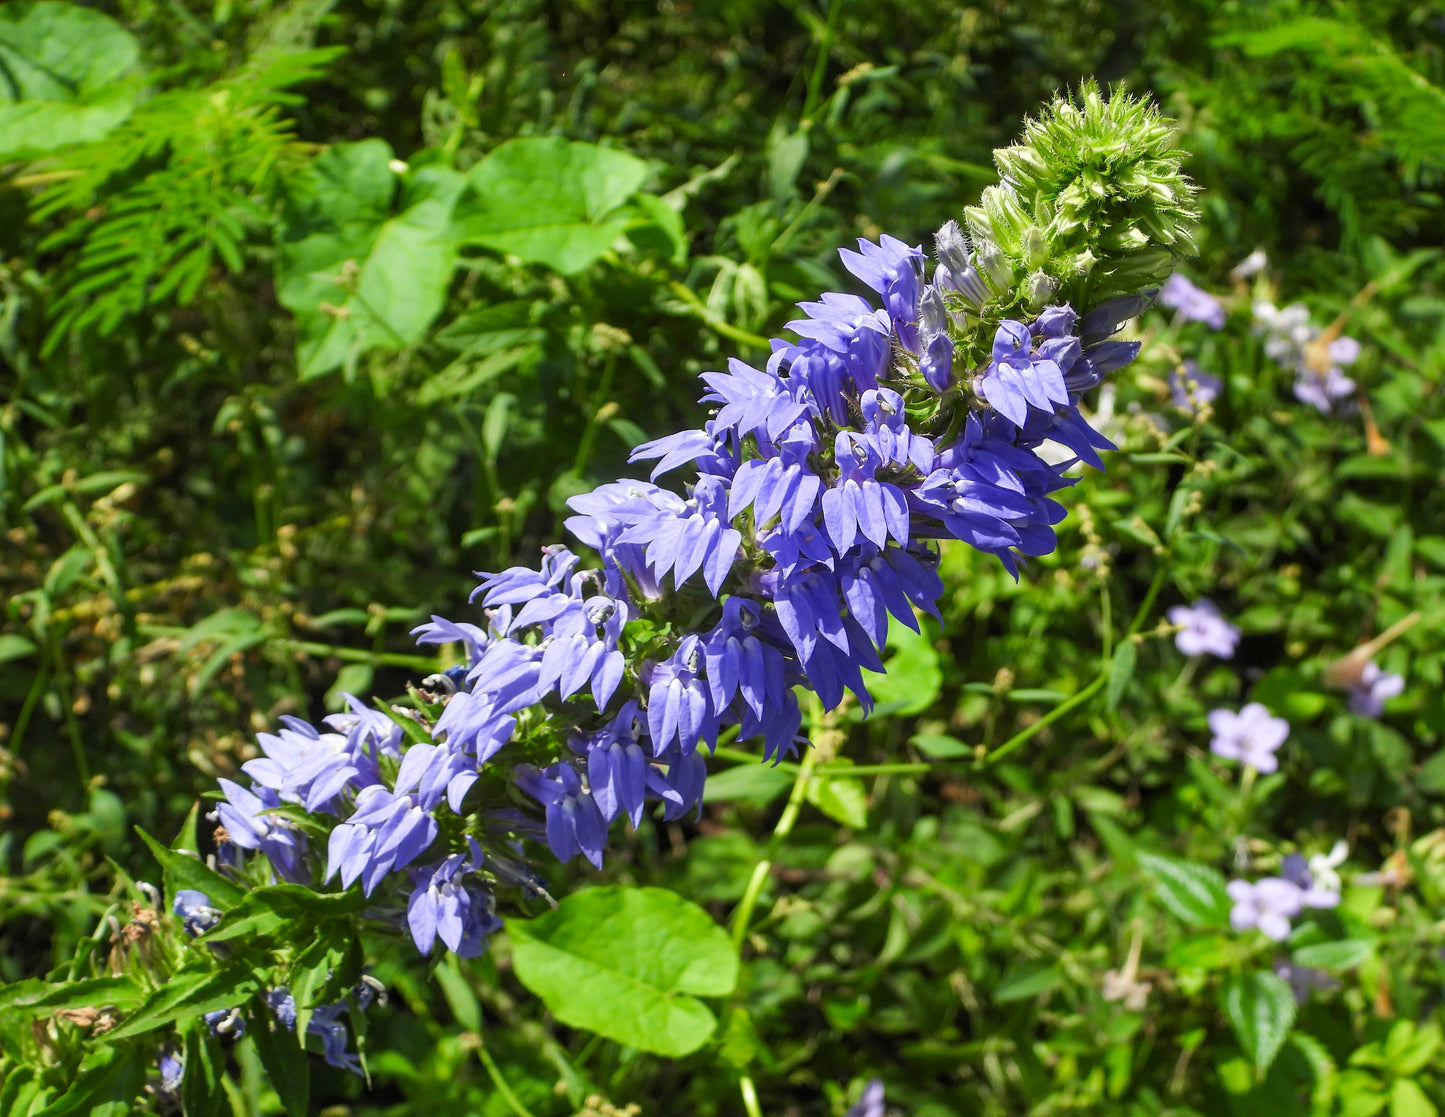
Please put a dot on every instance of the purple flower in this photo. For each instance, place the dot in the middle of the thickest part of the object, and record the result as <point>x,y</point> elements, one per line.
<point>445,904</point>
<point>1370,691</point>
<point>574,823</point>
<point>1204,630</point>
<point>1016,380</point>
<point>386,831</point>
<point>1190,388</point>
<point>1192,304</point>
<point>1251,736</point>
<point>1303,980</point>
<point>323,1024</point>
<point>871,1103</point>
<point>226,1022</point>
<point>1323,390</point>
<point>173,1072</point>
<point>1268,904</point>
<point>194,908</point>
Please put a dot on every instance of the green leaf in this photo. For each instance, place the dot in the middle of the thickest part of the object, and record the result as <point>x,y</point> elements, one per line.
<point>108,1074</point>
<point>201,1091</point>
<point>1335,955</point>
<point>1260,1008</point>
<point>283,1058</point>
<point>1195,893</point>
<point>548,201</point>
<point>14,647</point>
<point>843,800</point>
<point>1121,670</point>
<point>263,911</point>
<point>1408,1100</point>
<point>754,783</point>
<point>628,964</point>
<point>366,256</point>
<point>914,677</point>
<point>65,77</point>
<point>191,992</point>
<point>185,870</point>
<point>41,998</point>
<point>938,746</point>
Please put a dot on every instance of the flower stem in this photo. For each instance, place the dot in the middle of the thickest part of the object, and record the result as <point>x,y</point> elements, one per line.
<point>494,1072</point>
<point>750,1097</point>
<point>742,917</point>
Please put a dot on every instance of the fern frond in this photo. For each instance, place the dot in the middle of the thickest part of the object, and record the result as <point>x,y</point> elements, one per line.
<point>174,191</point>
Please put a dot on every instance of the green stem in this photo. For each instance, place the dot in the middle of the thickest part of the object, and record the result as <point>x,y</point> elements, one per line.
<point>495,1074</point>
<point>744,913</point>
<point>712,321</point>
<point>750,1097</point>
<point>1089,691</point>
<point>820,64</point>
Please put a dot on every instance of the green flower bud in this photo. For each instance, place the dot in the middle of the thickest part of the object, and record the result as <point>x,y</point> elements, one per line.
<point>1100,183</point>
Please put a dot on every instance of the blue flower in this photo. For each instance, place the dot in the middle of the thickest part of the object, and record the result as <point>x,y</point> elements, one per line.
<point>194,908</point>
<point>449,902</point>
<point>574,822</point>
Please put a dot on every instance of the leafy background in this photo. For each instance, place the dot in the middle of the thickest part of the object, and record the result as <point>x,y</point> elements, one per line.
<point>308,310</point>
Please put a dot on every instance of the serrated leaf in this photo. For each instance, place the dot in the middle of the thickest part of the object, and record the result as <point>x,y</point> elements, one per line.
<point>283,1058</point>
<point>1195,893</point>
<point>40,998</point>
<point>1260,1008</point>
<point>548,201</point>
<point>183,870</point>
<point>628,964</point>
<point>190,993</point>
<point>108,1074</point>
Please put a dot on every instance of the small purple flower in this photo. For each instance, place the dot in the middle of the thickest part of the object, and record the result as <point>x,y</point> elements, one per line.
<point>1322,390</point>
<point>1192,304</point>
<point>1370,691</point>
<point>1251,736</point>
<point>871,1103</point>
<point>1204,630</point>
<point>1303,980</point>
<point>226,1022</point>
<point>1190,387</point>
<point>194,908</point>
<point>1268,904</point>
<point>173,1073</point>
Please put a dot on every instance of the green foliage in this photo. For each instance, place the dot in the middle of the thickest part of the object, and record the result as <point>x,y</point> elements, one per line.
<point>1003,890</point>
<point>629,964</point>
<point>65,71</point>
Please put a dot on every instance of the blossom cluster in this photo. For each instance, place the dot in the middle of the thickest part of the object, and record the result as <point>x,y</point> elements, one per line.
<point>945,407</point>
<point>1315,358</point>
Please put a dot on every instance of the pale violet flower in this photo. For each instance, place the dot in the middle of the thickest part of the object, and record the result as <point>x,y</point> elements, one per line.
<point>1192,303</point>
<point>1204,630</point>
<point>1251,736</point>
<point>1251,265</point>
<point>1314,892</point>
<point>1268,904</point>
<point>1191,388</point>
<point>1370,691</point>
<point>871,1103</point>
